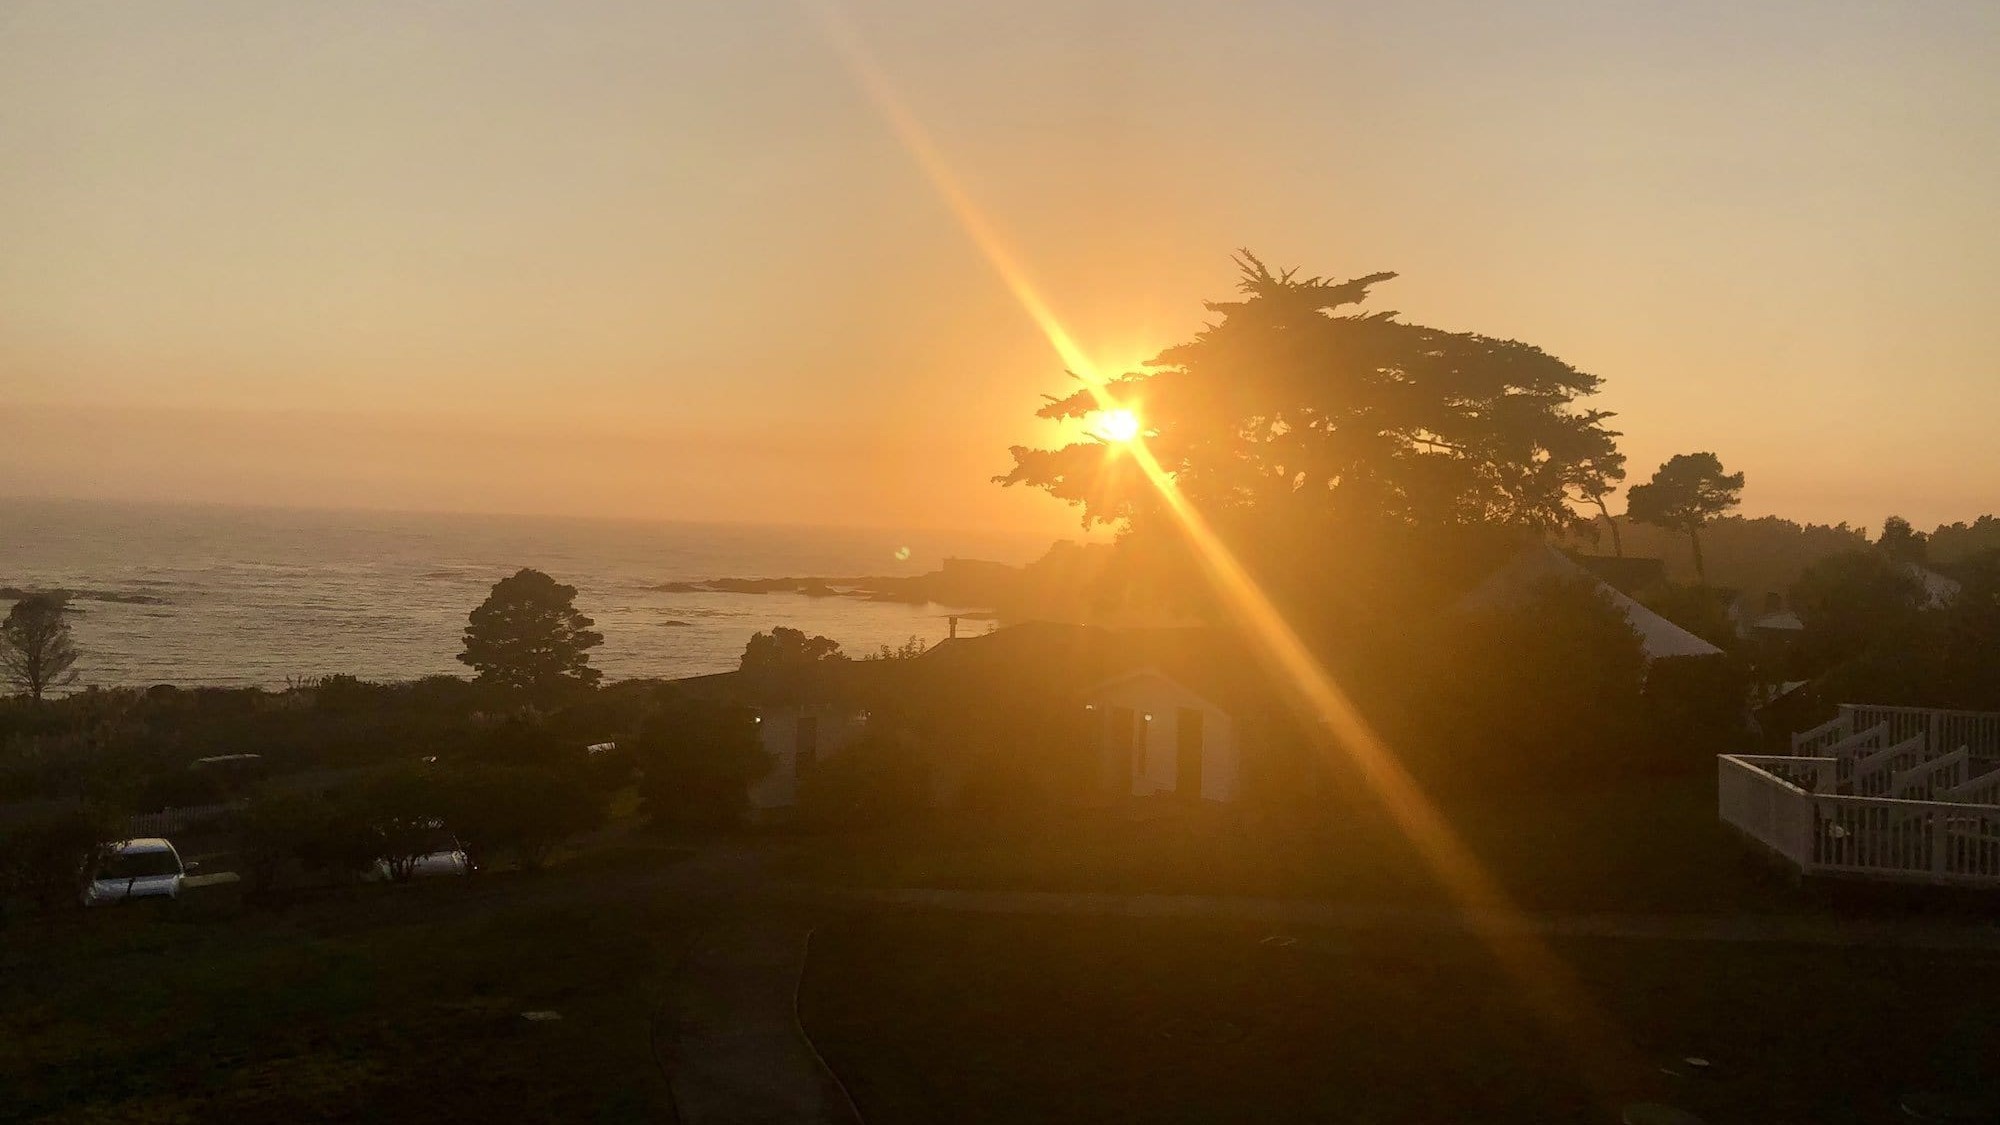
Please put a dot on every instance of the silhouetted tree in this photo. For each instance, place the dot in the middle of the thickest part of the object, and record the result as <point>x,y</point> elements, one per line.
<point>1950,543</point>
<point>523,813</point>
<point>528,638</point>
<point>1599,470</point>
<point>1284,408</point>
<point>697,759</point>
<point>1972,634</point>
<point>1541,687</point>
<point>36,652</point>
<point>784,647</point>
<point>49,859</point>
<point>1686,492</point>
<point>786,664</point>
<point>1701,610</point>
<point>1855,601</point>
<point>1902,542</point>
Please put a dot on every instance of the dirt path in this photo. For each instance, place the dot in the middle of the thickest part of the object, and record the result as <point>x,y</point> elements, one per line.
<point>1904,933</point>
<point>736,1053</point>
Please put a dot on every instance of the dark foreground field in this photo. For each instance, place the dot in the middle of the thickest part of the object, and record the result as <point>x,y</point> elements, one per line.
<point>954,1018</point>
<point>1644,845</point>
<point>391,1004</point>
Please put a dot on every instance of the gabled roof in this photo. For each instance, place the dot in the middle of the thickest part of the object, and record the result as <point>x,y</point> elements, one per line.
<point>1068,659</point>
<point>1151,671</point>
<point>1939,589</point>
<point>1625,575</point>
<point>1540,562</point>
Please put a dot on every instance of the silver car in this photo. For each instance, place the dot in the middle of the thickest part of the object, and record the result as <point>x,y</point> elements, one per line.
<point>145,868</point>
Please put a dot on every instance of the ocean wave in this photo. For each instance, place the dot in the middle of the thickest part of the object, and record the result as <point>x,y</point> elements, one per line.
<point>16,593</point>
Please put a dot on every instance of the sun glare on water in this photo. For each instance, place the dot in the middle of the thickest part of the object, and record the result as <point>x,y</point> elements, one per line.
<point>1116,425</point>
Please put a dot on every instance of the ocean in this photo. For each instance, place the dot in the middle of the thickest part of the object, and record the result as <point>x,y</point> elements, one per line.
<point>220,596</point>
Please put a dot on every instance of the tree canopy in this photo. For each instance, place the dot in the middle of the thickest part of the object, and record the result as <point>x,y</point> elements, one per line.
<point>1902,542</point>
<point>1289,407</point>
<point>36,652</point>
<point>527,637</point>
<point>1686,492</point>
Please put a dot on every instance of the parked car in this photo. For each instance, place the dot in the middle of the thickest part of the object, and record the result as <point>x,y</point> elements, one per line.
<point>144,868</point>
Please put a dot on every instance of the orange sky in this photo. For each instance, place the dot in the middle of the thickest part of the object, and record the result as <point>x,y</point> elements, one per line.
<point>666,260</point>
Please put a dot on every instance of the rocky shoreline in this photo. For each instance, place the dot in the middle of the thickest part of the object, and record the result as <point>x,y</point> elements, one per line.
<point>959,583</point>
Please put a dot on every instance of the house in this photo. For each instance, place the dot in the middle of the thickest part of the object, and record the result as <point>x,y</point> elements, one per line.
<point>1157,737</point>
<point>1626,574</point>
<point>803,718</point>
<point>1774,622</point>
<point>796,737</point>
<point>1108,713</point>
<point>1940,590</point>
<point>1514,581</point>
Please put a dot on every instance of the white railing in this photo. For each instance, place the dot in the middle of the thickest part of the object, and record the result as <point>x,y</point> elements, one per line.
<point>1981,790</point>
<point>1920,841</point>
<point>1825,833</point>
<point>1765,807</point>
<point>1928,780</point>
<point>1824,735</point>
<point>1979,731</point>
<point>1873,773</point>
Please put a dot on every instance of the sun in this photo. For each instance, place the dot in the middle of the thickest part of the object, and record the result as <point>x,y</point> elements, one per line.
<point>1116,425</point>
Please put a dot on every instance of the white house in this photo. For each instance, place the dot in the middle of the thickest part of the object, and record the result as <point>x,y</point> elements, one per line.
<point>795,736</point>
<point>1160,736</point>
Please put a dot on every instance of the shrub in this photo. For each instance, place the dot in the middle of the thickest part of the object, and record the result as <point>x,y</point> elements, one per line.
<point>48,859</point>
<point>401,814</point>
<point>521,813</point>
<point>874,782</point>
<point>1545,691</point>
<point>697,759</point>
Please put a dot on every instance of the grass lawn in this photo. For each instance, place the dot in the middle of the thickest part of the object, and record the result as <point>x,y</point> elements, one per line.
<point>379,1004</point>
<point>933,1017</point>
<point>1647,846</point>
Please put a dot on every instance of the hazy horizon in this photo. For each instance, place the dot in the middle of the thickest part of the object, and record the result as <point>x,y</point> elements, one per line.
<point>636,261</point>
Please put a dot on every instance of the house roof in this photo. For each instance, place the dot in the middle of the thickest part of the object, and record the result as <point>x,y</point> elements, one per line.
<point>1939,589</point>
<point>1782,621</point>
<point>1540,562</point>
<point>1069,659</point>
<point>1625,575</point>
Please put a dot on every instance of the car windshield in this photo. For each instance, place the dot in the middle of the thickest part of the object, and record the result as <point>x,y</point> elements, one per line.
<point>139,865</point>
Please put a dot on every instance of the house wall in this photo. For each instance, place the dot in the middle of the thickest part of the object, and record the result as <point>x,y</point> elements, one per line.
<point>1155,754</point>
<point>778,728</point>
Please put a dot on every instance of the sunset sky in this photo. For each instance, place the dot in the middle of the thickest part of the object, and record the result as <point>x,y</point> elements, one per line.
<point>666,260</point>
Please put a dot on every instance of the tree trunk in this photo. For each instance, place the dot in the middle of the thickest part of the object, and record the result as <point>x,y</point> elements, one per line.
<point>1700,572</point>
<point>1617,542</point>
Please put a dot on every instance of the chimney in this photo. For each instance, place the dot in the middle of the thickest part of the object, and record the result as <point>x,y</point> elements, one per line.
<point>1774,602</point>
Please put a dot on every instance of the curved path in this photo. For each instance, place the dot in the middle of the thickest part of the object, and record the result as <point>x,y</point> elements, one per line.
<point>1900,933</point>
<point>737,1053</point>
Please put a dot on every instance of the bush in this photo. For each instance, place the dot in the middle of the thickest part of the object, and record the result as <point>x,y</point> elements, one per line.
<point>49,859</point>
<point>282,835</point>
<point>401,814</point>
<point>874,782</point>
<point>1547,691</point>
<point>520,813</point>
<point>697,759</point>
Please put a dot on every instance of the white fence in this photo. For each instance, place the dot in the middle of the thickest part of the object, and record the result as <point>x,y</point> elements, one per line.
<point>1827,833</point>
<point>1977,731</point>
<point>166,822</point>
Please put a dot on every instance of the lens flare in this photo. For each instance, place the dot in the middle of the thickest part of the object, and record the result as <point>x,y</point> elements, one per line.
<point>1544,981</point>
<point>1115,425</point>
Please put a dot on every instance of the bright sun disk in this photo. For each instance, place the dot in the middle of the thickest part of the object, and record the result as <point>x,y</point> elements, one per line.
<point>1116,425</point>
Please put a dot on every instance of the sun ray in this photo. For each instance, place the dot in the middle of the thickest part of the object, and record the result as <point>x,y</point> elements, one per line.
<point>1547,986</point>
